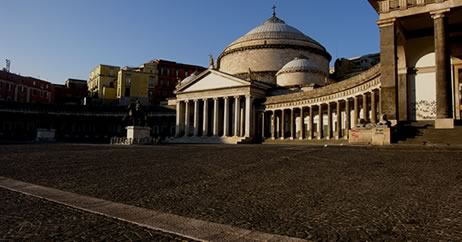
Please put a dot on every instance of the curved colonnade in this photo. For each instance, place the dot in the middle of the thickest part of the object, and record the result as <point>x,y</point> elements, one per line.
<point>323,113</point>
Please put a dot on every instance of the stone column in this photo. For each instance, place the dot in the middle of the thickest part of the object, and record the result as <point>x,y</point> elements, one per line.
<point>389,73</point>
<point>215,116</point>
<point>263,125</point>
<point>292,124</point>
<point>373,108</point>
<point>205,131</point>
<point>347,118</point>
<point>283,126</point>
<point>443,73</point>
<point>237,115</point>
<point>320,121</point>
<point>186,119</point>
<point>226,118</point>
<point>311,124</point>
<point>338,125</point>
<point>329,121</point>
<point>196,117</point>
<point>301,125</point>
<point>355,111</point>
<point>178,119</point>
<point>248,115</point>
<point>273,125</point>
<point>365,107</point>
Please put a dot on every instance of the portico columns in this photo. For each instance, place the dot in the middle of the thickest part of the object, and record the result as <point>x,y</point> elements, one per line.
<point>187,119</point>
<point>338,125</point>
<point>215,116</point>
<point>178,118</point>
<point>292,124</point>
<point>248,115</point>
<point>226,118</point>
<point>283,126</point>
<point>311,124</point>
<point>196,117</point>
<point>237,114</point>
<point>373,108</point>
<point>329,121</point>
<point>263,125</point>
<point>206,118</point>
<point>355,111</point>
<point>320,122</point>
<point>273,125</point>
<point>347,118</point>
<point>443,72</point>
<point>301,124</point>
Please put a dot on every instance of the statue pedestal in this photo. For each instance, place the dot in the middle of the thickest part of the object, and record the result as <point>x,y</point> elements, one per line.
<point>45,135</point>
<point>370,136</point>
<point>138,132</point>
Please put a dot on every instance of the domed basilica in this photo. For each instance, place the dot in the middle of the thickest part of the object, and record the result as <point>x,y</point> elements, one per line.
<point>230,101</point>
<point>273,84</point>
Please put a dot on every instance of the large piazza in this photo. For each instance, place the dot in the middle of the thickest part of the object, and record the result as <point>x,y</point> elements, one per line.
<point>273,82</point>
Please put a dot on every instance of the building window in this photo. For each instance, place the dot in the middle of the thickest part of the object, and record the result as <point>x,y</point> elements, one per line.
<point>151,82</point>
<point>161,71</point>
<point>177,72</point>
<point>168,72</point>
<point>128,80</point>
<point>186,74</point>
<point>127,92</point>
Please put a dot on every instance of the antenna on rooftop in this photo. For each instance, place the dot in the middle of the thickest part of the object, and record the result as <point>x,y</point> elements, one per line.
<point>8,65</point>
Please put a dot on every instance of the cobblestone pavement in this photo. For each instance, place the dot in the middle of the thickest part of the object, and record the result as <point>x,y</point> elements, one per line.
<point>325,194</point>
<point>25,218</point>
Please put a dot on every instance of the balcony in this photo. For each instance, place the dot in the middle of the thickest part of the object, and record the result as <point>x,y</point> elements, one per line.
<point>392,5</point>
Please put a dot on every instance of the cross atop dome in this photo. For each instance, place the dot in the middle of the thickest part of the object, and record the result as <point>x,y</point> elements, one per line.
<point>274,10</point>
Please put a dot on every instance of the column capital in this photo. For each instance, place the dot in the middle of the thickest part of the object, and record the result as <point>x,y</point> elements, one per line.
<point>439,13</point>
<point>386,22</point>
<point>205,99</point>
<point>215,98</point>
<point>248,96</point>
<point>186,101</point>
<point>237,97</point>
<point>226,97</point>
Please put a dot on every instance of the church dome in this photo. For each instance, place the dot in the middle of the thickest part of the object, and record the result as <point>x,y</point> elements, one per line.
<point>300,71</point>
<point>267,48</point>
<point>275,28</point>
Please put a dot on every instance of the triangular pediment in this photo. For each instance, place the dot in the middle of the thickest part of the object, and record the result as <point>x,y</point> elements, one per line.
<point>211,80</point>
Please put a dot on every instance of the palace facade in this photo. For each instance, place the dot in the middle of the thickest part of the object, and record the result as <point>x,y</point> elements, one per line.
<point>273,82</point>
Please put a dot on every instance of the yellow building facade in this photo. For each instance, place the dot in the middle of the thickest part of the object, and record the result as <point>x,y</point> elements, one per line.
<point>102,82</point>
<point>136,83</point>
<point>110,83</point>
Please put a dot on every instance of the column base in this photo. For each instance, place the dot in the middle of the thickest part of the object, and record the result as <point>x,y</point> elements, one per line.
<point>291,138</point>
<point>273,138</point>
<point>300,138</point>
<point>444,123</point>
<point>282,138</point>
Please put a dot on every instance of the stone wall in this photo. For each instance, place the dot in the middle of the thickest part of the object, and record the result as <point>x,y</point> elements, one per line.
<point>266,60</point>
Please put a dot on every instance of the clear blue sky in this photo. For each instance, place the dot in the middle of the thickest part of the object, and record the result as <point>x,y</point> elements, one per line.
<point>60,39</point>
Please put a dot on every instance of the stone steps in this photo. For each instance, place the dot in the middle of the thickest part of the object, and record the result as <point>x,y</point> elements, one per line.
<point>307,141</point>
<point>208,140</point>
<point>425,133</point>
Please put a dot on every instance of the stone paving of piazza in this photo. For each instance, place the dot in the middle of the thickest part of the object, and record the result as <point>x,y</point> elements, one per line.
<point>25,218</point>
<point>320,193</point>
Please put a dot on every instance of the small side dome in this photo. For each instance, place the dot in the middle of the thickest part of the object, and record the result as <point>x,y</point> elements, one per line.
<point>300,71</point>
